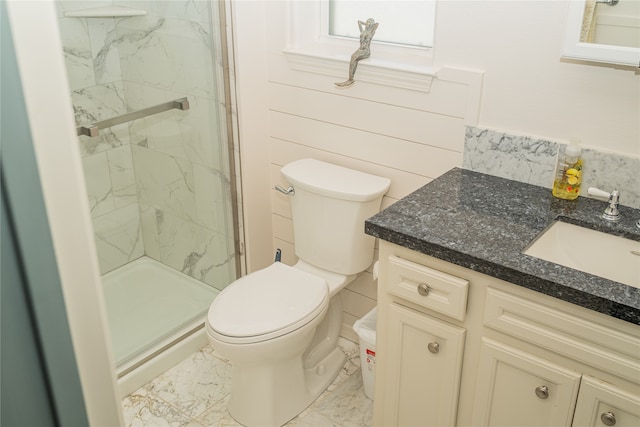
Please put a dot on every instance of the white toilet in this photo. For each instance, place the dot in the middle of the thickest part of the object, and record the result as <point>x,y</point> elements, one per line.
<point>279,326</point>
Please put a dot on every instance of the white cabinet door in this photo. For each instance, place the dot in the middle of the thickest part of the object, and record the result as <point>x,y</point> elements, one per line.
<point>515,388</point>
<point>422,370</point>
<point>602,404</point>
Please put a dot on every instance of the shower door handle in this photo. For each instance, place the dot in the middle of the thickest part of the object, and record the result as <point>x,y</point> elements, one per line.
<point>93,129</point>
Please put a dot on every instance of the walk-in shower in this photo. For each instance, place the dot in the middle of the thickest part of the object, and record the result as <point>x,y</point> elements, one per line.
<point>151,100</point>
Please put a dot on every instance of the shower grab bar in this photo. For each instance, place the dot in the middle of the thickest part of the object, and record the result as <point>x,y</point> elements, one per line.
<point>93,130</point>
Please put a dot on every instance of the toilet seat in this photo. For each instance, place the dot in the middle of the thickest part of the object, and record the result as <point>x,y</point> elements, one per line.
<point>267,304</point>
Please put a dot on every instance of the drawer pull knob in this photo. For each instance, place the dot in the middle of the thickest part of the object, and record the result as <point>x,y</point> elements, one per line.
<point>542,392</point>
<point>423,289</point>
<point>434,347</point>
<point>608,418</point>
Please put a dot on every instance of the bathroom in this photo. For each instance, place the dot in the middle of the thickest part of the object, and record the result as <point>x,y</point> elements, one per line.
<point>498,66</point>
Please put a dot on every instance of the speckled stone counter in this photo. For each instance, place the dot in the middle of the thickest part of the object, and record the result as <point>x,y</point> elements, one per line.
<point>483,223</point>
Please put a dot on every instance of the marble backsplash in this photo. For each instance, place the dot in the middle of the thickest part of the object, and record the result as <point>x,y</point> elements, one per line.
<point>532,160</point>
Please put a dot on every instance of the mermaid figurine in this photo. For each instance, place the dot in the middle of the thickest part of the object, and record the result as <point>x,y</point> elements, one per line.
<point>367,30</point>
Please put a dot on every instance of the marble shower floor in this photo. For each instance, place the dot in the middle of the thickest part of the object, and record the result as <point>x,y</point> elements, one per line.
<point>194,393</point>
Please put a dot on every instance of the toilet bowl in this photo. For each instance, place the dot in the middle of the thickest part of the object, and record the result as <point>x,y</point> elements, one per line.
<point>279,326</point>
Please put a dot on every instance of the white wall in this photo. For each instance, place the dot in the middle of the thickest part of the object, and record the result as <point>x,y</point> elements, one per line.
<point>527,88</point>
<point>512,49</point>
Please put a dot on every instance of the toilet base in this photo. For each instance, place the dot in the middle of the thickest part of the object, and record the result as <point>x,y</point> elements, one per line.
<point>272,395</point>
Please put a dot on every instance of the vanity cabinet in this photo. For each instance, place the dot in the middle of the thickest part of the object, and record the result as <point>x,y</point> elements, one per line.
<point>457,347</point>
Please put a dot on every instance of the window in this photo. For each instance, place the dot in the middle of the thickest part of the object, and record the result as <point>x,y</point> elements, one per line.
<point>403,59</point>
<point>401,22</point>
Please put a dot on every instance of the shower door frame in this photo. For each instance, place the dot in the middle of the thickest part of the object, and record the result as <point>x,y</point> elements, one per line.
<point>231,126</point>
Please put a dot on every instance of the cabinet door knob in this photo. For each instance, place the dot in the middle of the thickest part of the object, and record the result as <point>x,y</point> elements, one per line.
<point>434,347</point>
<point>608,418</point>
<point>542,392</point>
<point>423,289</point>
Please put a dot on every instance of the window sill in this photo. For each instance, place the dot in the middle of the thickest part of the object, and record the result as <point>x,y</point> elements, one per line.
<point>370,70</point>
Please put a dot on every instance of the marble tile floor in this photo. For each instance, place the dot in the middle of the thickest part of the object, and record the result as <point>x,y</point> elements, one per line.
<point>194,393</point>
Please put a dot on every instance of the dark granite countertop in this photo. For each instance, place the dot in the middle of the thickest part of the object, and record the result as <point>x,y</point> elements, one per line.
<point>483,223</point>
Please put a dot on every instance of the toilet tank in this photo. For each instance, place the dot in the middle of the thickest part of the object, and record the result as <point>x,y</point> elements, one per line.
<point>329,208</point>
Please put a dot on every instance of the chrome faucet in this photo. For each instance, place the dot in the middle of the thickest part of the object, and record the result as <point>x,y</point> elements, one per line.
<point>611,213</point>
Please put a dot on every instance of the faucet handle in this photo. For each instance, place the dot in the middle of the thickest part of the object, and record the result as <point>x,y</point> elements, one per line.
<point>601,194</point>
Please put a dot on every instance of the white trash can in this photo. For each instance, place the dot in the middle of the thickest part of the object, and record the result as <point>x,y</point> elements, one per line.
<point>366,330</point>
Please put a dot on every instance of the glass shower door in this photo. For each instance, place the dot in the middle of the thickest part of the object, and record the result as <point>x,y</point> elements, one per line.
<point>159,187</point>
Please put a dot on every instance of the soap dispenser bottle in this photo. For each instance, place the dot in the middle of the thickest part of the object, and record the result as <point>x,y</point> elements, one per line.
<point>568,176</point>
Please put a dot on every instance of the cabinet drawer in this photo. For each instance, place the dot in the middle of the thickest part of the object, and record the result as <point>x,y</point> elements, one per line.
<point>429,288</point>
<point>611,350</point>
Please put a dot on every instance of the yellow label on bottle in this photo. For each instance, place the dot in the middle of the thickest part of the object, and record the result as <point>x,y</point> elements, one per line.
<point>567,186</point>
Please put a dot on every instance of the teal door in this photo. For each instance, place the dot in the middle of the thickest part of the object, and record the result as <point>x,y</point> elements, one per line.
<point>40,384</point>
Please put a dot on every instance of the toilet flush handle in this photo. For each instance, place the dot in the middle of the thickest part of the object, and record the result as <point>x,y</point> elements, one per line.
<point>288,191</point>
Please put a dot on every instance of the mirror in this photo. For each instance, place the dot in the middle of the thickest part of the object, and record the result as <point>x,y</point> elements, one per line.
<point>597,31</point>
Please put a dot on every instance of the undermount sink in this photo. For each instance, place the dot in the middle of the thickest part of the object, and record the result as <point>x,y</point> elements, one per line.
<point>594,252</point>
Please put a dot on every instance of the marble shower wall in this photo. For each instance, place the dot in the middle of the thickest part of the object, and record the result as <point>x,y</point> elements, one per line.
<point>158,186</point>
<point>532,160</point>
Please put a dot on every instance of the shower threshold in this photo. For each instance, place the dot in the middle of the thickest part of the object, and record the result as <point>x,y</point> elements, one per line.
<point>150,307</point>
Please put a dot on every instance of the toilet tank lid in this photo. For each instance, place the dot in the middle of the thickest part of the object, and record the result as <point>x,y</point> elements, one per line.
<point>335,181</point>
